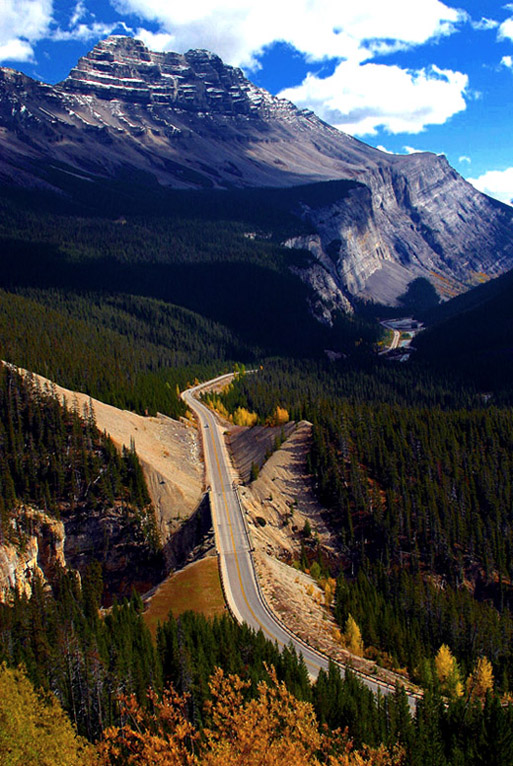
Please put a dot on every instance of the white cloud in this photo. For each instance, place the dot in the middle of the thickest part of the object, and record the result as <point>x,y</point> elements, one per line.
<point>485,24</point>
<point>464,158</point>
<point>507,61</point>
<point>384,149</point>
<point>412,150</point>
<point>16,50</point>
<point>155,41</point>
<point>82,26</point>
<point>239,30</point>
<point>361,98</point>
<point>85,32</point>
<point>506,29</point>
<point>79,12</point>
<point>22,23</point>
<point>496,183</point>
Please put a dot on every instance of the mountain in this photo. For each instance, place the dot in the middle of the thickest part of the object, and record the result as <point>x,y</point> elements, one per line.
<point>472,335</point>
<point>166,120</point>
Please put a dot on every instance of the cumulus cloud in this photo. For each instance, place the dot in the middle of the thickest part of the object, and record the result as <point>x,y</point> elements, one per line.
<point>484,24</point>
<point>239,30</point>
<point>506,29</point>
<point>496,183</point>
<point>83,27</point>
<point>155,41</point>
<point>85,32</point>
<point>22,23</point>
<point>359,99</point>
<point>79,12</point>
<point>360,96</point>
<point>507,61</point>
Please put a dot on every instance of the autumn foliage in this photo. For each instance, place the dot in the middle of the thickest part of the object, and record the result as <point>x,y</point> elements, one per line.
<point>272,729</point>
<point>480,682</point>
<point>242,417</point>
<point>448,673</point>
<point>280,416</point>
<point>352,637</point>
<point>34,729</point>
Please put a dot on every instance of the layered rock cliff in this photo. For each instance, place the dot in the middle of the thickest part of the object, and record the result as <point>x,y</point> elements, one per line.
<point>415,217</point>
<point>38,554</point>
<point>190,121</point>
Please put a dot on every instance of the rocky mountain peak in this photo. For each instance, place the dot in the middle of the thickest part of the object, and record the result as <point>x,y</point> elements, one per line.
<point>188,120</point>
<point>123,68</point>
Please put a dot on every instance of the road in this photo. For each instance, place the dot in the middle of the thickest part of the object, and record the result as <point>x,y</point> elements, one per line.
<point>408,327</point>
<point>234,547</point>
<point>396,337</point>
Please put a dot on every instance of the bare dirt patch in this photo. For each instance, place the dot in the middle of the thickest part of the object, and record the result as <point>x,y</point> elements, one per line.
<point>251,445</point>
<point>282,496</point>
<point>279,503</point>
<point>197,587</point>
<point>298,601</point>
<point>168,450</point>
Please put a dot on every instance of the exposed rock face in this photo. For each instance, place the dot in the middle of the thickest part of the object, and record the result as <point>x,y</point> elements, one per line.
<point>414,218</point>
<point>124,69</point>
<point>190,121</point>
<point>41,555</point>
<point>45,545</point>
<point>113,537</point>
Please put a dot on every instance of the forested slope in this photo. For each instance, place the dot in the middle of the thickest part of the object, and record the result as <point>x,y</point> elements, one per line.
<point>55,462</point>
<point>126,308</point>
<point>419,496</point>
<point>473,335</point>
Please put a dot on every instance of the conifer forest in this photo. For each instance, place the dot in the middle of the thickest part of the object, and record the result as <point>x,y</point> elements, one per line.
<point>412,464</point>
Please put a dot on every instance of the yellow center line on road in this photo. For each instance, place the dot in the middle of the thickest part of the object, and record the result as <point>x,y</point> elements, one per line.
<point>377,682</point>
<point>263,628</point>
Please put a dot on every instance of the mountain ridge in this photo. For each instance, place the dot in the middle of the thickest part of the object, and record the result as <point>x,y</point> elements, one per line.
<point>188,121</point>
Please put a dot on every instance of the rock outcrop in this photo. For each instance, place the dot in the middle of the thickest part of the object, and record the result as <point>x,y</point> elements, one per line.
<point>39,556</point>
<point>189,121</point>
<point>415,217</point>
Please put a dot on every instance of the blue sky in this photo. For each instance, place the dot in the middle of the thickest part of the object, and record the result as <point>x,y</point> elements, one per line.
<point>403,75</point>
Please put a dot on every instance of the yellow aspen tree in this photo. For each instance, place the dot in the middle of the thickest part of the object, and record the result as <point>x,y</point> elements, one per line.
<point>447,672</point>
<point>329,586</point>
<point>34,729</point>
<point>353,637</point>
<point>481,680</point>
<point>281,416</point>
<point>242,417</point>
<point>221,409</point>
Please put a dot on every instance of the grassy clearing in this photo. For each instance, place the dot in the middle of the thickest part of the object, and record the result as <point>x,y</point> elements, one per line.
<point>196,588</point>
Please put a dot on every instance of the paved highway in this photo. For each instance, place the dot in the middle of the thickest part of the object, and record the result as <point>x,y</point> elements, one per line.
<point>396,337</point>
<point>233,542</point>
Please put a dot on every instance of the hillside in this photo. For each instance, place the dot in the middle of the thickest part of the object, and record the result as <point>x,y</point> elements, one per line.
<point>69,500</point>
<point>472,336</point>
<point>168,451</point>
<point>154,122</point>
<point>163,221</point>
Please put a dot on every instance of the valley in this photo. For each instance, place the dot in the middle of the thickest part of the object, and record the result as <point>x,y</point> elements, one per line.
<point>403,332</point>
<point>156,123</point>
<point>222,502</point>
<point>234,544</point>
